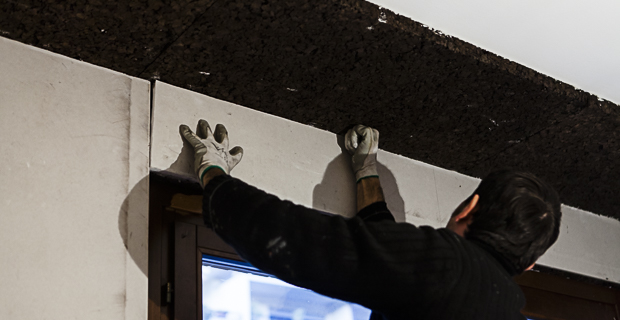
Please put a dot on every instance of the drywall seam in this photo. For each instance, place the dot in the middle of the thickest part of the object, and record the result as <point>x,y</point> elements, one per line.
<point>151,112</point>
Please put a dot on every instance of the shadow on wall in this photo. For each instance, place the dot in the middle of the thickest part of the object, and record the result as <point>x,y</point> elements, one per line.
<point>335,194</point>
<point>337,191</point>
<point>394,201</point>
<point>134,212</point>
<point>133,223</point>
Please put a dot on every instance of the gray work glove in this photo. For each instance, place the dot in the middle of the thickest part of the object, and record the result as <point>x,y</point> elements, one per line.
<point>211,149</point>
<point>363,143</point>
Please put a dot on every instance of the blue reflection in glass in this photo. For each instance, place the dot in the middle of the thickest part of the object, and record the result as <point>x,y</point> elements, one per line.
<point>233,290</point>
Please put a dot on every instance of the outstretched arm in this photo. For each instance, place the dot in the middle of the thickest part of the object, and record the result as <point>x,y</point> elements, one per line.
<point>368,259</point>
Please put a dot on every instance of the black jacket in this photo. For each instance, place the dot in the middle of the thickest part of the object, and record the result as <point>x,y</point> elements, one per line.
<point>396,269</point>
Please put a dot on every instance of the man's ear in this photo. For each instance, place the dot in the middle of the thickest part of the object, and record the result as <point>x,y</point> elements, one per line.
<point>467,212</point>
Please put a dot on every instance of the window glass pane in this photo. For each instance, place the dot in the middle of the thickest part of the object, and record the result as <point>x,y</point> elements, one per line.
<point>244,294</point>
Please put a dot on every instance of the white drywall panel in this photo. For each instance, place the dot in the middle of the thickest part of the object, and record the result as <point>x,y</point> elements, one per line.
<point>573,41</point>
<point>294,161</point>
<point>589,244</point>
<point>73,159</point>
<point>306,165</point>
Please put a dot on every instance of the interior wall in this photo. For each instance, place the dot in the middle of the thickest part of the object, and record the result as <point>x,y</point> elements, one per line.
<point>74,147</point>
<point>307,165</point>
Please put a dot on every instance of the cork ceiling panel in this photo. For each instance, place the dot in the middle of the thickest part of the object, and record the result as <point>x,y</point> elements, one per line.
<point>579,156</point>
<point>121,35</point>
<point>332,68</point>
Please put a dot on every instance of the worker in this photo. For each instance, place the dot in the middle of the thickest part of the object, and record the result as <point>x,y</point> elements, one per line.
<point>398,270</point>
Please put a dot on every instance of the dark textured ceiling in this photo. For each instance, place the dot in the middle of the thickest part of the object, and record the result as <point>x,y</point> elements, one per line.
<point>330,64</point>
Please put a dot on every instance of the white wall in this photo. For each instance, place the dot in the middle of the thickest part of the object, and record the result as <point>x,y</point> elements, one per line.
<point>306,165</point>
<point>73,158</point>
<point>577,42</point>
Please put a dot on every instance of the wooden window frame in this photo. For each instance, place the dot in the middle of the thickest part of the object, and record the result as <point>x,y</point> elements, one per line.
<point>565,296</point>
<point>178,239</point>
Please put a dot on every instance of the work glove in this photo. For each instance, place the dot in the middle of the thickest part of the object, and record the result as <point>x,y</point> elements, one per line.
<point>363,143</point>
<point>211,149</point>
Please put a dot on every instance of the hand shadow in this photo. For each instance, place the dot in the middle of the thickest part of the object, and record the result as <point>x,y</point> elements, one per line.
<point>337,191</point>
<point>133,223</point>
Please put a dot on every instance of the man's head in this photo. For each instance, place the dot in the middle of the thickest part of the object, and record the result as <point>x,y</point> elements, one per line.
<point>516,213</point>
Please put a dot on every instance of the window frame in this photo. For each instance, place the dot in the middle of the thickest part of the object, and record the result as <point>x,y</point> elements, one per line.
<point>178,239</point>
<point>560,296</point>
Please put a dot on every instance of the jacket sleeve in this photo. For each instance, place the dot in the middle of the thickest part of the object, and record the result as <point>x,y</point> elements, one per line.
<point>369,259</point>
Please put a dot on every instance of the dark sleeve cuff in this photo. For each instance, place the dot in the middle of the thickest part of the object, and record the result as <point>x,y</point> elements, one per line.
<point>209,190</point>
<point>376,212</point>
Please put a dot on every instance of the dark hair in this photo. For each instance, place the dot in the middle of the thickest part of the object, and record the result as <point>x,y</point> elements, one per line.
<point>517,214</point>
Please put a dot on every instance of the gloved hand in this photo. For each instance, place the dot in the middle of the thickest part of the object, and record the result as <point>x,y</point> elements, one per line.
<point>363,143</point>
<point>211,149</point>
